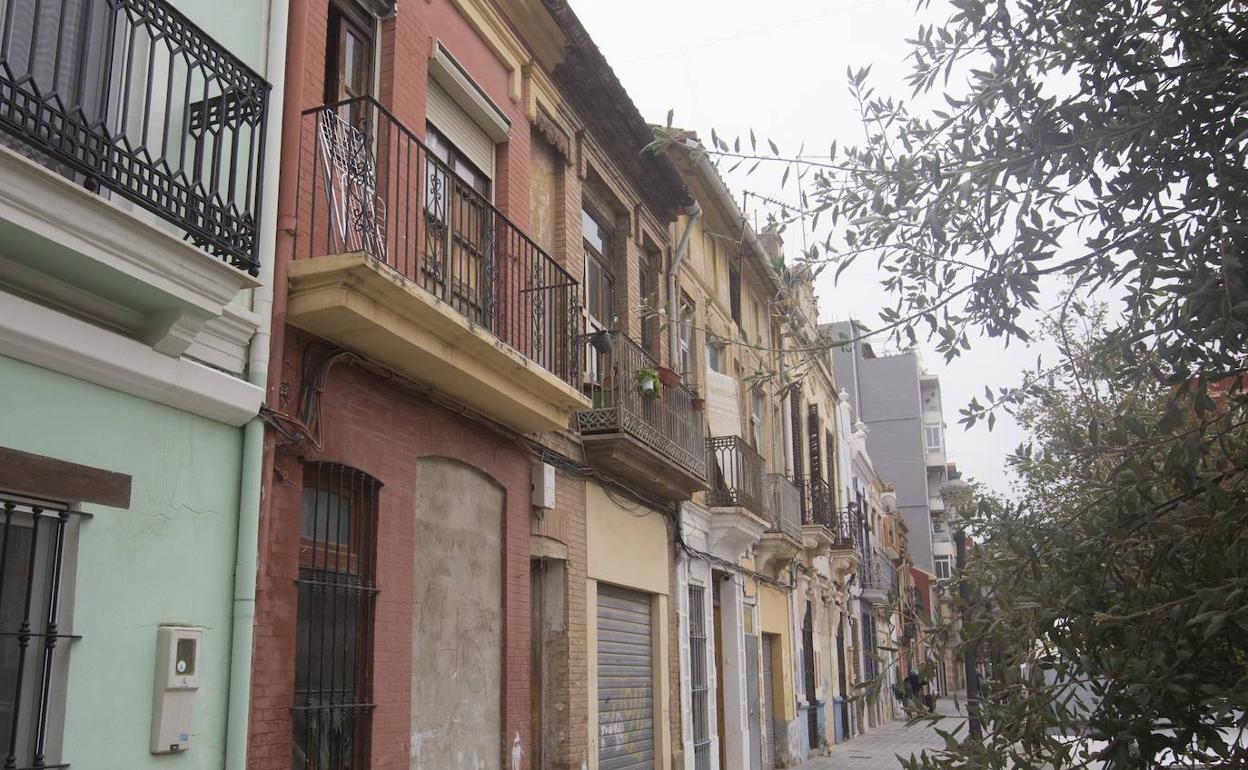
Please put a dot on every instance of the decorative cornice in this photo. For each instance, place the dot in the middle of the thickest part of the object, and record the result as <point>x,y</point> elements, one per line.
<point>45,337</point>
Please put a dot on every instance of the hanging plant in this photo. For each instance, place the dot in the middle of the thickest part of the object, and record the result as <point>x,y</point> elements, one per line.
<point>649,383</point>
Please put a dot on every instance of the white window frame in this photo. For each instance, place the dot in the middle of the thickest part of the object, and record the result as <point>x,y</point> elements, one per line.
<point>930,431</point>
<point>941,565</point>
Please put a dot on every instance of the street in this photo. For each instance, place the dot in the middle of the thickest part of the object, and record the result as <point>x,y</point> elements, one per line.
<point>879,748</point>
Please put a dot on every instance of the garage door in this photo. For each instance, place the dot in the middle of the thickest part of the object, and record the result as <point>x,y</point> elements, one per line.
<point>625,680</point>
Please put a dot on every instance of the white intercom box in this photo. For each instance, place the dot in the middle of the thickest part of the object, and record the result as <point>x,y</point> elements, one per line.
<point>177,680</point>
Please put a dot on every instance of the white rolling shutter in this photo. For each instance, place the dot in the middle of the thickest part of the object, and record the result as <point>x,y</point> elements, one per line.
<point>769,706</point>
<point>625,680</point>
<point>460,130</point>
<point>723,408</point>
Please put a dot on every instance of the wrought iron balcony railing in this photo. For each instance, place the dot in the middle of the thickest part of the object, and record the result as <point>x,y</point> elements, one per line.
<point>131,97</point>
<point>368,184</point>
<point>784,499</point>
<point>876,573</point>
<point>821,510</point>
<point>819,503</point>
<point>736,474</point>
<point>662,418</point>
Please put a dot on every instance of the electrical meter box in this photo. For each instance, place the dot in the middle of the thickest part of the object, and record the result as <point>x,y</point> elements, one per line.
<point>543,485</point>
<point>177,681</point>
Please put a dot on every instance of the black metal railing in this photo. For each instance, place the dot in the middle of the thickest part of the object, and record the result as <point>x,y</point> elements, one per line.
<point>736,474</point>
<point>820,501</point>
<point>131,97</point>
<point>368,184</point>
<point>32,657</point>
<point>663,418</point>
<point>334,622</point>
<point>821,510</point>
<point>784,501</point>
<point>877,574</point>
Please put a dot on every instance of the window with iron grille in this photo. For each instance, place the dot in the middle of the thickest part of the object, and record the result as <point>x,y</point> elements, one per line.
<point>36,545</point>
<point>698,687</point>
<point>333,671</point>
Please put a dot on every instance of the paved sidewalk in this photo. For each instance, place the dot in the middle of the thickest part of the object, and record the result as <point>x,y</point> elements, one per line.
<point>878,749</point>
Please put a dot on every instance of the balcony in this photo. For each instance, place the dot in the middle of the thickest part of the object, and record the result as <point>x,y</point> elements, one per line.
<point>131,162</point>
<point>736,497</point>
<point>783,539</point>
<point>736,475</point>
<point>650,434</point>
<point>785,506</point>
<point>397,259</point>
<point>878,579</point>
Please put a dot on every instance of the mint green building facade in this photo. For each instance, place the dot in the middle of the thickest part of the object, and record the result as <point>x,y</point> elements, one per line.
<point>137,217</point>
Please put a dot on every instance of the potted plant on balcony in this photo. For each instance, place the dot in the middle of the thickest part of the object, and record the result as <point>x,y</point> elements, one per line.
<point>696,402</point>
<point>649,383</point>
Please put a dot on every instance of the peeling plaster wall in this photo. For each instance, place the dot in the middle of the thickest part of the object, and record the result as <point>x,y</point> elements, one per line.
<point>456,618</point>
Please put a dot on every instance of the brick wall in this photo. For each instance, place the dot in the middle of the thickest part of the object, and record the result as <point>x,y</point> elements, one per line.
<point>381,428</point>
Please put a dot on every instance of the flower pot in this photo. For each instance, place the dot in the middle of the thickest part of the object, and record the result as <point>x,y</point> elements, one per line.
<point>670,377</point>
<point>647,386</point>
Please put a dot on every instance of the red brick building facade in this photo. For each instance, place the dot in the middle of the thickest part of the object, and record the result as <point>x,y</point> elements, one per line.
<point>374,620</point>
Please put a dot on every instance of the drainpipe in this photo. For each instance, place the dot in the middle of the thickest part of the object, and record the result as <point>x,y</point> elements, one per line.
<point>694,211</point>
<point>246,553</point>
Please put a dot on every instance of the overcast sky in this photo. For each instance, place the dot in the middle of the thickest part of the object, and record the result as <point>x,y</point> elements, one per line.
<point>778,66</point>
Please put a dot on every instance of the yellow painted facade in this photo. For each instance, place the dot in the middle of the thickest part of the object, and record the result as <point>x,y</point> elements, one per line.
<point>627,546</point>
<point>773,606</point>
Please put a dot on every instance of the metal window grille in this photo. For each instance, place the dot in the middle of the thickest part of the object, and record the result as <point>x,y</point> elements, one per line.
<point>333,670</point>
<point>699,689</point>
<point>32,658</point>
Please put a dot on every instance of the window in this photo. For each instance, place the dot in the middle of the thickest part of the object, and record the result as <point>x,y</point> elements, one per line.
<point>348,61</point>
<point>465,172</point>
<point>699,688</point>
<point>599,280</point>
<point>686,336</point>
<point>756,418</point>
<point>38,541</point>
<point>459,247</point>
<point>932,437</point>
<point>647,301</point>
<point>715,357</point>
<point>334,625</point>
<point>734,292</point>
<point>942,567</point>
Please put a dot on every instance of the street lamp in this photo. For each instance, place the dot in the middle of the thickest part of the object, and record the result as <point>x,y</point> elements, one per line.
<point>956,491</point>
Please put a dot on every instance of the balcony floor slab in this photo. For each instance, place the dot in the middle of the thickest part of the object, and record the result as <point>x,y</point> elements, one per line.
<point>362,305</point>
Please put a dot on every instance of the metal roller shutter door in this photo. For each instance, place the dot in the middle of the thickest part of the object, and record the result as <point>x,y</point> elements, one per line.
<point>625,680</point>
<point>769,707</point>
<point>751,701</point>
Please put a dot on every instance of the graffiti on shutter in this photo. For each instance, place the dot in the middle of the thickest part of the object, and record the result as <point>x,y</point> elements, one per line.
<point>625,680</point>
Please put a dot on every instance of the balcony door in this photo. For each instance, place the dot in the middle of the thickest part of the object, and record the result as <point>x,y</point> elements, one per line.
<point>460,264</point>
<point>599,290</point>
<point>347,136</point>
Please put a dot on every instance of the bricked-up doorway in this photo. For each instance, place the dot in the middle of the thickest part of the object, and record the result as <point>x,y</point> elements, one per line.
<point>456,618</point>
<point>548,663</point>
